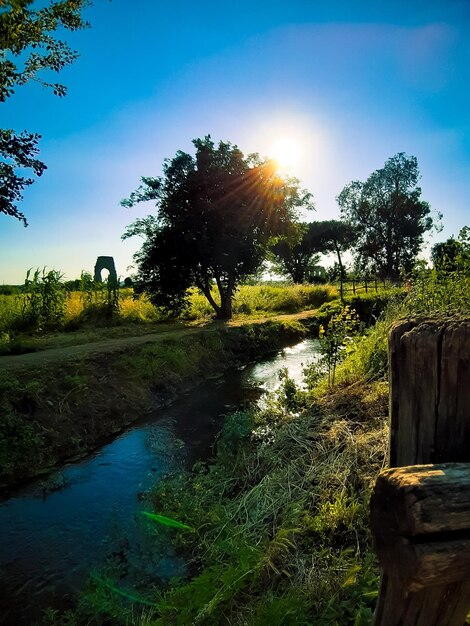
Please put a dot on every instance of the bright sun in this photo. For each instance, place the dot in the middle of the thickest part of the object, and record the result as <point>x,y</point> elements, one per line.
<point>287,152</point>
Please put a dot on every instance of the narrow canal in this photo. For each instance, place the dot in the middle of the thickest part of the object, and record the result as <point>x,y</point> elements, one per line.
<point>54,532</point>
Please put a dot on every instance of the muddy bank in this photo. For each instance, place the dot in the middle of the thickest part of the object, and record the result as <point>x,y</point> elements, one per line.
<point>58,411</point>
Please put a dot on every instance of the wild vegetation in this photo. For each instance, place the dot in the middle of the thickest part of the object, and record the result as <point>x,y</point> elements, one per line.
<point>66,407</point>
<point>44,313</point>
<point>45,421</point>
<point>276,524</point>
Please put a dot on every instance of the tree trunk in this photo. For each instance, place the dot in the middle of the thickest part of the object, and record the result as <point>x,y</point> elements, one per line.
<point>341,272</point>
<point>226,295</point>
<point>226,308</point>
<point>206,290</point>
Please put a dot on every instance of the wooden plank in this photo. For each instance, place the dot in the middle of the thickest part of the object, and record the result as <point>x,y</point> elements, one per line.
<point>429,373</point>
<point>403,608</point>
<point>396,363</point>
<point>453,409</point>
<point>421,499</point>
<point>429,422</point>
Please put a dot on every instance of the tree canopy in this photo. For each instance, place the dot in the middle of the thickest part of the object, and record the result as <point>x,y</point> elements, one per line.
<point>388,215</point>
<point>295,254</point>
<point>298,252</point>
<point>216,213</point>
<point>29,46</point>
<point>453,254</point>
<point>335,236</point>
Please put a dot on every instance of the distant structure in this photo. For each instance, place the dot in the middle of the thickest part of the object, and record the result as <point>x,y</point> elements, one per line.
<point>105,263</point>
<point>318,271</point>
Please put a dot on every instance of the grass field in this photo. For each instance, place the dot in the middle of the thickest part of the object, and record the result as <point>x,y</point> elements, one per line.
<point>66,318</point>
<point>279,516</point>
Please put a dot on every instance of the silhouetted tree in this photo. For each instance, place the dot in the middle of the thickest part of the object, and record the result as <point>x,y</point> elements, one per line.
<point>216,213</point>
<point>27,48</point>
<point>333,236</point>
<point>389,217</point>
<point>296,253</point>
<point>453,254</point>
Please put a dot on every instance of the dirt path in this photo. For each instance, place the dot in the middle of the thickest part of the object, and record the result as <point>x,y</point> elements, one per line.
<point>106,346</point>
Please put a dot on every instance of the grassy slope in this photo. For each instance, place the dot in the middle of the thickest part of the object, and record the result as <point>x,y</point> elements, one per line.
<point>282,523</point>
<point>60,403</point>
<point>279,515</point>
<point>64,401</point>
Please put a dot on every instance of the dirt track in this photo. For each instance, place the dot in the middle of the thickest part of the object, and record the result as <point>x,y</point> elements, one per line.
<point>106,346</point>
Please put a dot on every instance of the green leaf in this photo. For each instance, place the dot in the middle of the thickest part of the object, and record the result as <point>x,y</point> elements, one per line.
<point>120,592</point>
<point>166,521</point>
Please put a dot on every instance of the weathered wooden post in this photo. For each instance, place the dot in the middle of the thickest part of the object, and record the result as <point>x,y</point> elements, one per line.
<point>425,554</point>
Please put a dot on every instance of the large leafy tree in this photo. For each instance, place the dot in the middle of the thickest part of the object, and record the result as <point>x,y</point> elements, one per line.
<point>28,47</point>
<point>389,216</point>
<point>216,213</point>
<point>336,236</point>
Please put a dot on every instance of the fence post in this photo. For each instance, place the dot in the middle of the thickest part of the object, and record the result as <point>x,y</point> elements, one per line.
<point>354,285</point>
<point>429,423</point>
<point>365,283</point>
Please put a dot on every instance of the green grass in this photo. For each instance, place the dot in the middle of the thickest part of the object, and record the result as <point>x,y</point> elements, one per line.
<point>86,321</point>
<point>281,512</point>
<point>262,300</point>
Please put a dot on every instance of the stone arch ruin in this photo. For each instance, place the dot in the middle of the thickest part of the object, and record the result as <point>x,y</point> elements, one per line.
<point>105,263</point>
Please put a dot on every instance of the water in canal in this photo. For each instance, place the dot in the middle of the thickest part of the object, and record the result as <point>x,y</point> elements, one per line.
<point>50,543</point>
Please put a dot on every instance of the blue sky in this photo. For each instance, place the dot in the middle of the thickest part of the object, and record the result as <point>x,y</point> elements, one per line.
<point>353,82</point>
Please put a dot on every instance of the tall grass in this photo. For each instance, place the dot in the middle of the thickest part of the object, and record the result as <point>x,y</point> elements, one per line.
<point>265,300</point>
<point>45,305</point>
<point>431,293</point>
<point>280,519</point>
<point>281,513</point>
